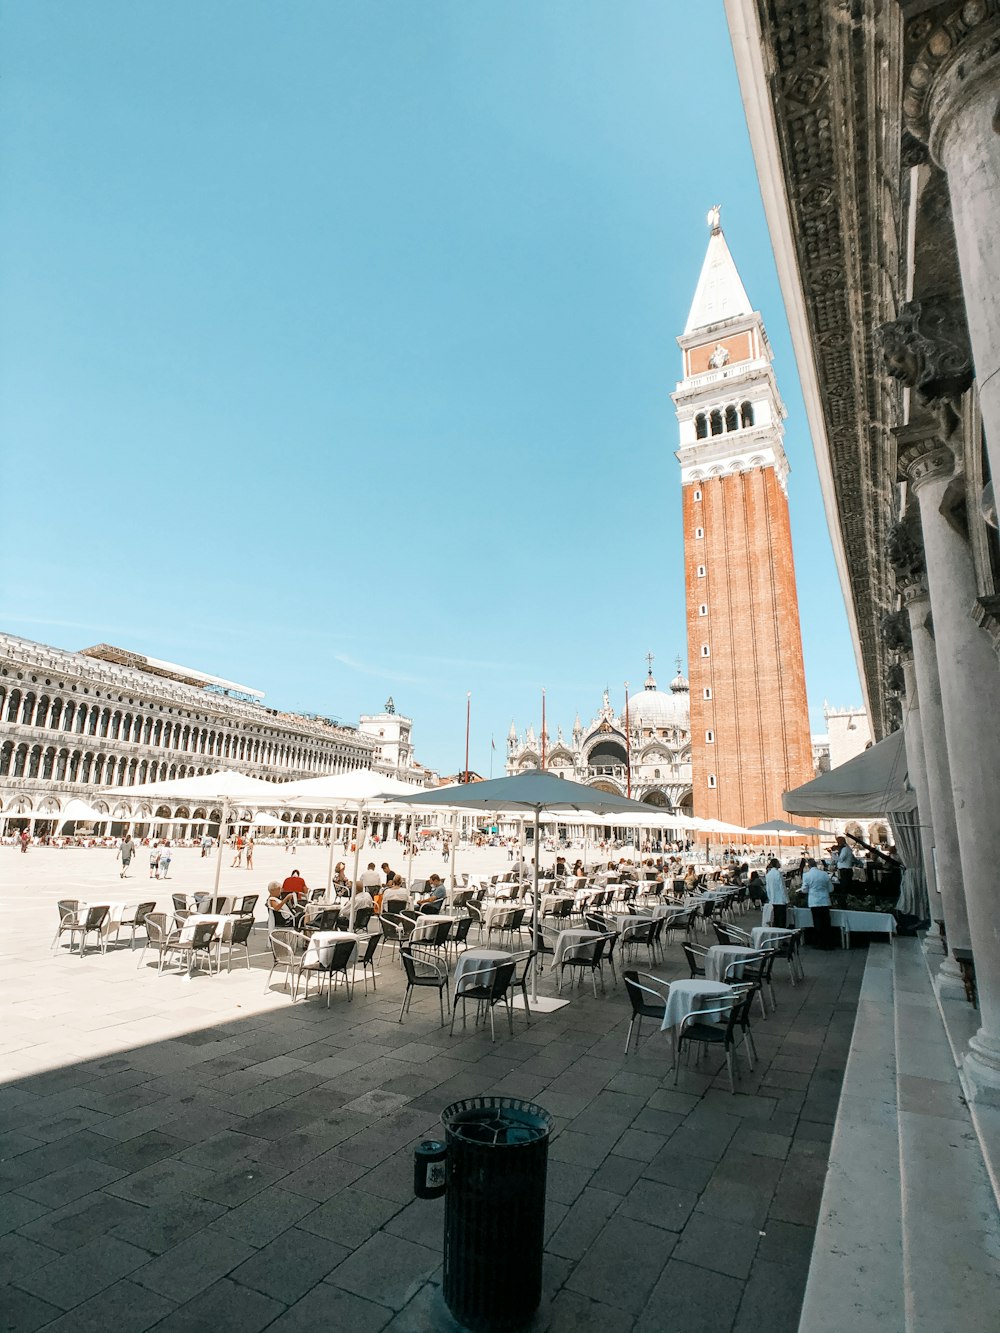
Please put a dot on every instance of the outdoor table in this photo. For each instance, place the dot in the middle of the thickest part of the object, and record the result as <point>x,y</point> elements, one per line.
<point>764,937</point>
<point>627,919</point>
<point>425,926</point>
<point>568,939</point>
<point>497,910</point>
<point>218,919</point>
<point>113,919</point>
<point>320,947</point>
<point>686,996</point>
<point>721,956</point>
<point>475,960</point>
<point>875,923</point>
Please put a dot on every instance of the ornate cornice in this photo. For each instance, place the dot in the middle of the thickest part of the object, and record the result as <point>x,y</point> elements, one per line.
<point>955,50</point>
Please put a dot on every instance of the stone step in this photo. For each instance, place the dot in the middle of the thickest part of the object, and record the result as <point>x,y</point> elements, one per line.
<point>950,1222</point>
<point>856,1273</point>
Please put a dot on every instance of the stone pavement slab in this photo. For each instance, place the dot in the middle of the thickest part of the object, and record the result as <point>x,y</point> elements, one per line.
<point>185,1154</point>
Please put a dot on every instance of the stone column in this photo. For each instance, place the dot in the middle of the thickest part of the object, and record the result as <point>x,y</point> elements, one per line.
<point>905,552</point>
<point>916,766</point>
<point>970,696</point>
<point>952,104</point>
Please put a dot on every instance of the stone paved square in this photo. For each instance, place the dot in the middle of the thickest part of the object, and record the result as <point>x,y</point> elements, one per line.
<point>182,1152</point>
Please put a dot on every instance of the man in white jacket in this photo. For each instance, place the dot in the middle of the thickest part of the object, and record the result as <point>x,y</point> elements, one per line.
<point>777,894</point>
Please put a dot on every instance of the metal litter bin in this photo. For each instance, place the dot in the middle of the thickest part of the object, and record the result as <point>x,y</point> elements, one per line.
<point>494,1211</point>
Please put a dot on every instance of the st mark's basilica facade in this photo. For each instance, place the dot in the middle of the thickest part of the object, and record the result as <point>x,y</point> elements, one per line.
<point>652,746</point>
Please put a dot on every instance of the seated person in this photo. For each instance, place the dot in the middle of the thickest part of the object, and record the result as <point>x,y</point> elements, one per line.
<point>370,878</point>
<point>434,891</point>
<point>285,908</point>
<point>295,886</point>
<point>340,876</point>
<point>362,898</point>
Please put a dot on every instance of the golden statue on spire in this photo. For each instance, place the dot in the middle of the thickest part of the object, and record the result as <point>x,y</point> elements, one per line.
<point>714,218</point>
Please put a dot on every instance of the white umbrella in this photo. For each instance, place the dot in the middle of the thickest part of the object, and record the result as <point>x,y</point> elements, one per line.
<point>81,812</point>
<point>225,788</point>
<point>359,790</point>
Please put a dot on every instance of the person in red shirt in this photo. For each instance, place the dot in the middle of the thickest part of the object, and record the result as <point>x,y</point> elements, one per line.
<point>294,886</point>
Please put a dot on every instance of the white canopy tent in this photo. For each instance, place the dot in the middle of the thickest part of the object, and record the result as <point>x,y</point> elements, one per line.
<point>361,790</point>
<point>225,789</point>
<point>873,783</point>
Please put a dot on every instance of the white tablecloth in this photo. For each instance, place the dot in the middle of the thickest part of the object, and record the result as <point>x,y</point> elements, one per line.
<point>765,937</point>
<point>202,918</point>
<point>320,947</point>
<point>476,960</point>
<point>875,922</point>
<point>113,919</point>
<point>567,939</point>
<point>688,995</point>
<point>425,926</point>
<point>721,956</point>
<point>496,911</point>
<point>626,919</point>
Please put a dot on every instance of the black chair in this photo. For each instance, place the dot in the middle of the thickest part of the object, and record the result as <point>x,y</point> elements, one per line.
<point>198,947</point>
<point>179,901</point>
<point>361,918</point>
<point>392,933</point>
<point>366,961</point>
<point>646,1002</point>
<point>698,1028</point>
<point>522,964</point>
<point>287,950</point>
<point>93,923</point>
<point>248,905</point>
<point>585,957</point>
<point>237,933</point>
<point>423,970</point>
<point>328,919</point>
<point>695,955</point>
<point>133,922</point>
<point>158,937</point>
<point>340,964</point>
<point>641,933</point>
<point>68,908</point>
<point>459,934</point>
<point>488,994</point>
<point>757,973</point>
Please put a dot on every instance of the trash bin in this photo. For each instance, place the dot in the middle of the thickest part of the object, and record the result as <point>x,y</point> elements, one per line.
<point>494,1211</point>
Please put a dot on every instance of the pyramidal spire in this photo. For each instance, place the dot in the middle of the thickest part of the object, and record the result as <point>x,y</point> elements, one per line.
<point>720,293</point>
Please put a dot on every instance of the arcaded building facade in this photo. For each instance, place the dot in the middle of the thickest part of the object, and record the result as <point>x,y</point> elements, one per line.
<point>74,723</point>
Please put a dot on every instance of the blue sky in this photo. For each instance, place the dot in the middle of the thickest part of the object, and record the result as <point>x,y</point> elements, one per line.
<point>337,340</point>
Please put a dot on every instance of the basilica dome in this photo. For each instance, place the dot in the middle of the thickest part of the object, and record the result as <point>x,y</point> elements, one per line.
<point>659,711</point>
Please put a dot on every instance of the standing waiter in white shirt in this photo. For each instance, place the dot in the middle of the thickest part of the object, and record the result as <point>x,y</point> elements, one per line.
<point>777,894</point>
<point>817,884</point>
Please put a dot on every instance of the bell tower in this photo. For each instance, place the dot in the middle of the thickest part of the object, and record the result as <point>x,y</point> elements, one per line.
<point>749,720</point>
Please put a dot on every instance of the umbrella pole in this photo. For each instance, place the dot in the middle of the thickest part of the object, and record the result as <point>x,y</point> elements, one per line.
<point>409,859</point>
<point>329,866</point>
<point>223,825</point>
<point>534,918</point>
<point>357,853</point>
<point>454,840</point>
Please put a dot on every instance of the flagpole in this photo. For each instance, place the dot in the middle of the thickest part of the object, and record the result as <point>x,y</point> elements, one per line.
<point>543,728</point>
<point>628,747</point>
<point>468,718</point>
<point>493,746</point>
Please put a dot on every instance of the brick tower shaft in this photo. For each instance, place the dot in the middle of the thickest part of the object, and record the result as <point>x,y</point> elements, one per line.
<point>749,718</point>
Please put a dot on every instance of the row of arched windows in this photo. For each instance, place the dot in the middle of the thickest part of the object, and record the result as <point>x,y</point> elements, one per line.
<point>723,419</point>
<point>84,718</point>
